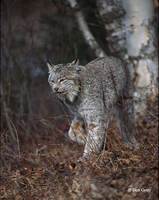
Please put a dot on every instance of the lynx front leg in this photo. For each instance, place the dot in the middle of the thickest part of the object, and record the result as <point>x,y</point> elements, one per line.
<point>96,133</point>
<point>77,132</point>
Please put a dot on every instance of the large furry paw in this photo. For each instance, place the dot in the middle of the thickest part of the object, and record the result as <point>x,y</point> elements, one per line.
<point>76,133</point>
<point>83,159</point>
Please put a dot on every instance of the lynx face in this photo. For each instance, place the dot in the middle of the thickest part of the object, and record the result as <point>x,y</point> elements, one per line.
<point>64,80</point>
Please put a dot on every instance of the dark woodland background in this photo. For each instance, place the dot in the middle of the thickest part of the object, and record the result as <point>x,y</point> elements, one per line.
<point>37,160</point>
<point>32,32</point>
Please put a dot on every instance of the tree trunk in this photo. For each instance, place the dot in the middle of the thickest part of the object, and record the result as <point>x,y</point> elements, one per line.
<point>131,35</point>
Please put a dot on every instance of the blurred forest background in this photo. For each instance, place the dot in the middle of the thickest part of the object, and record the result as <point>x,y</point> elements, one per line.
<point>33,31</point>
<point>37,161</point>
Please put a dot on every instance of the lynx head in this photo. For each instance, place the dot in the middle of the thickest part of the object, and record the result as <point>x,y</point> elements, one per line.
<point>64,80</point>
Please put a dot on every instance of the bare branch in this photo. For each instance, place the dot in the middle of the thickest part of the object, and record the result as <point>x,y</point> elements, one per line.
<point>89,38</point>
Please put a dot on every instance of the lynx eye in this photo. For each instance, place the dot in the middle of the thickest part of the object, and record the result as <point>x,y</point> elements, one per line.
<point>62,79</point>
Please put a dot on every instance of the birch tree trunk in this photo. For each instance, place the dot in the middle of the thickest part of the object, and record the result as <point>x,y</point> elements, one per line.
<point>131,35</point>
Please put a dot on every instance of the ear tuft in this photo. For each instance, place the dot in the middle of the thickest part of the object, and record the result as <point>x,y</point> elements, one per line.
<point>49,66</point>
<point>75,62</point>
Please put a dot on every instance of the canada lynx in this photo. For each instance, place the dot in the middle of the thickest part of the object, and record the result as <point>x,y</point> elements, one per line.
<point>93,93</point>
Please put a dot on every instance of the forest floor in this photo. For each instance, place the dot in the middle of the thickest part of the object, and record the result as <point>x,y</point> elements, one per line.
<point>47,169</point>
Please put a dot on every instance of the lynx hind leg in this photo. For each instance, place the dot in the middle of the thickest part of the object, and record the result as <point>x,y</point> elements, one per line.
<point>125,119</point>
<point>77,132</point>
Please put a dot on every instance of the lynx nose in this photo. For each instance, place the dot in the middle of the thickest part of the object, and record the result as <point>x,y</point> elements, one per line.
<point>56,89</point>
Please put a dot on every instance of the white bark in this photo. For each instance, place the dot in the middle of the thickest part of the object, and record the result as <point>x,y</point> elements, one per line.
<point>140,41</point>
<point>111,12</point>
<point>131,35</point>
<point>89,38</point>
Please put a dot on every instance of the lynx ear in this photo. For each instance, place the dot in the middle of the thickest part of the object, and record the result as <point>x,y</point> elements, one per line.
<point>75,62</point>
<point>50,66</point>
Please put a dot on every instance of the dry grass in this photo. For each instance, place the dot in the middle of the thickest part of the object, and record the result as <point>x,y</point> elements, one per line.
<point>46,166</point>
